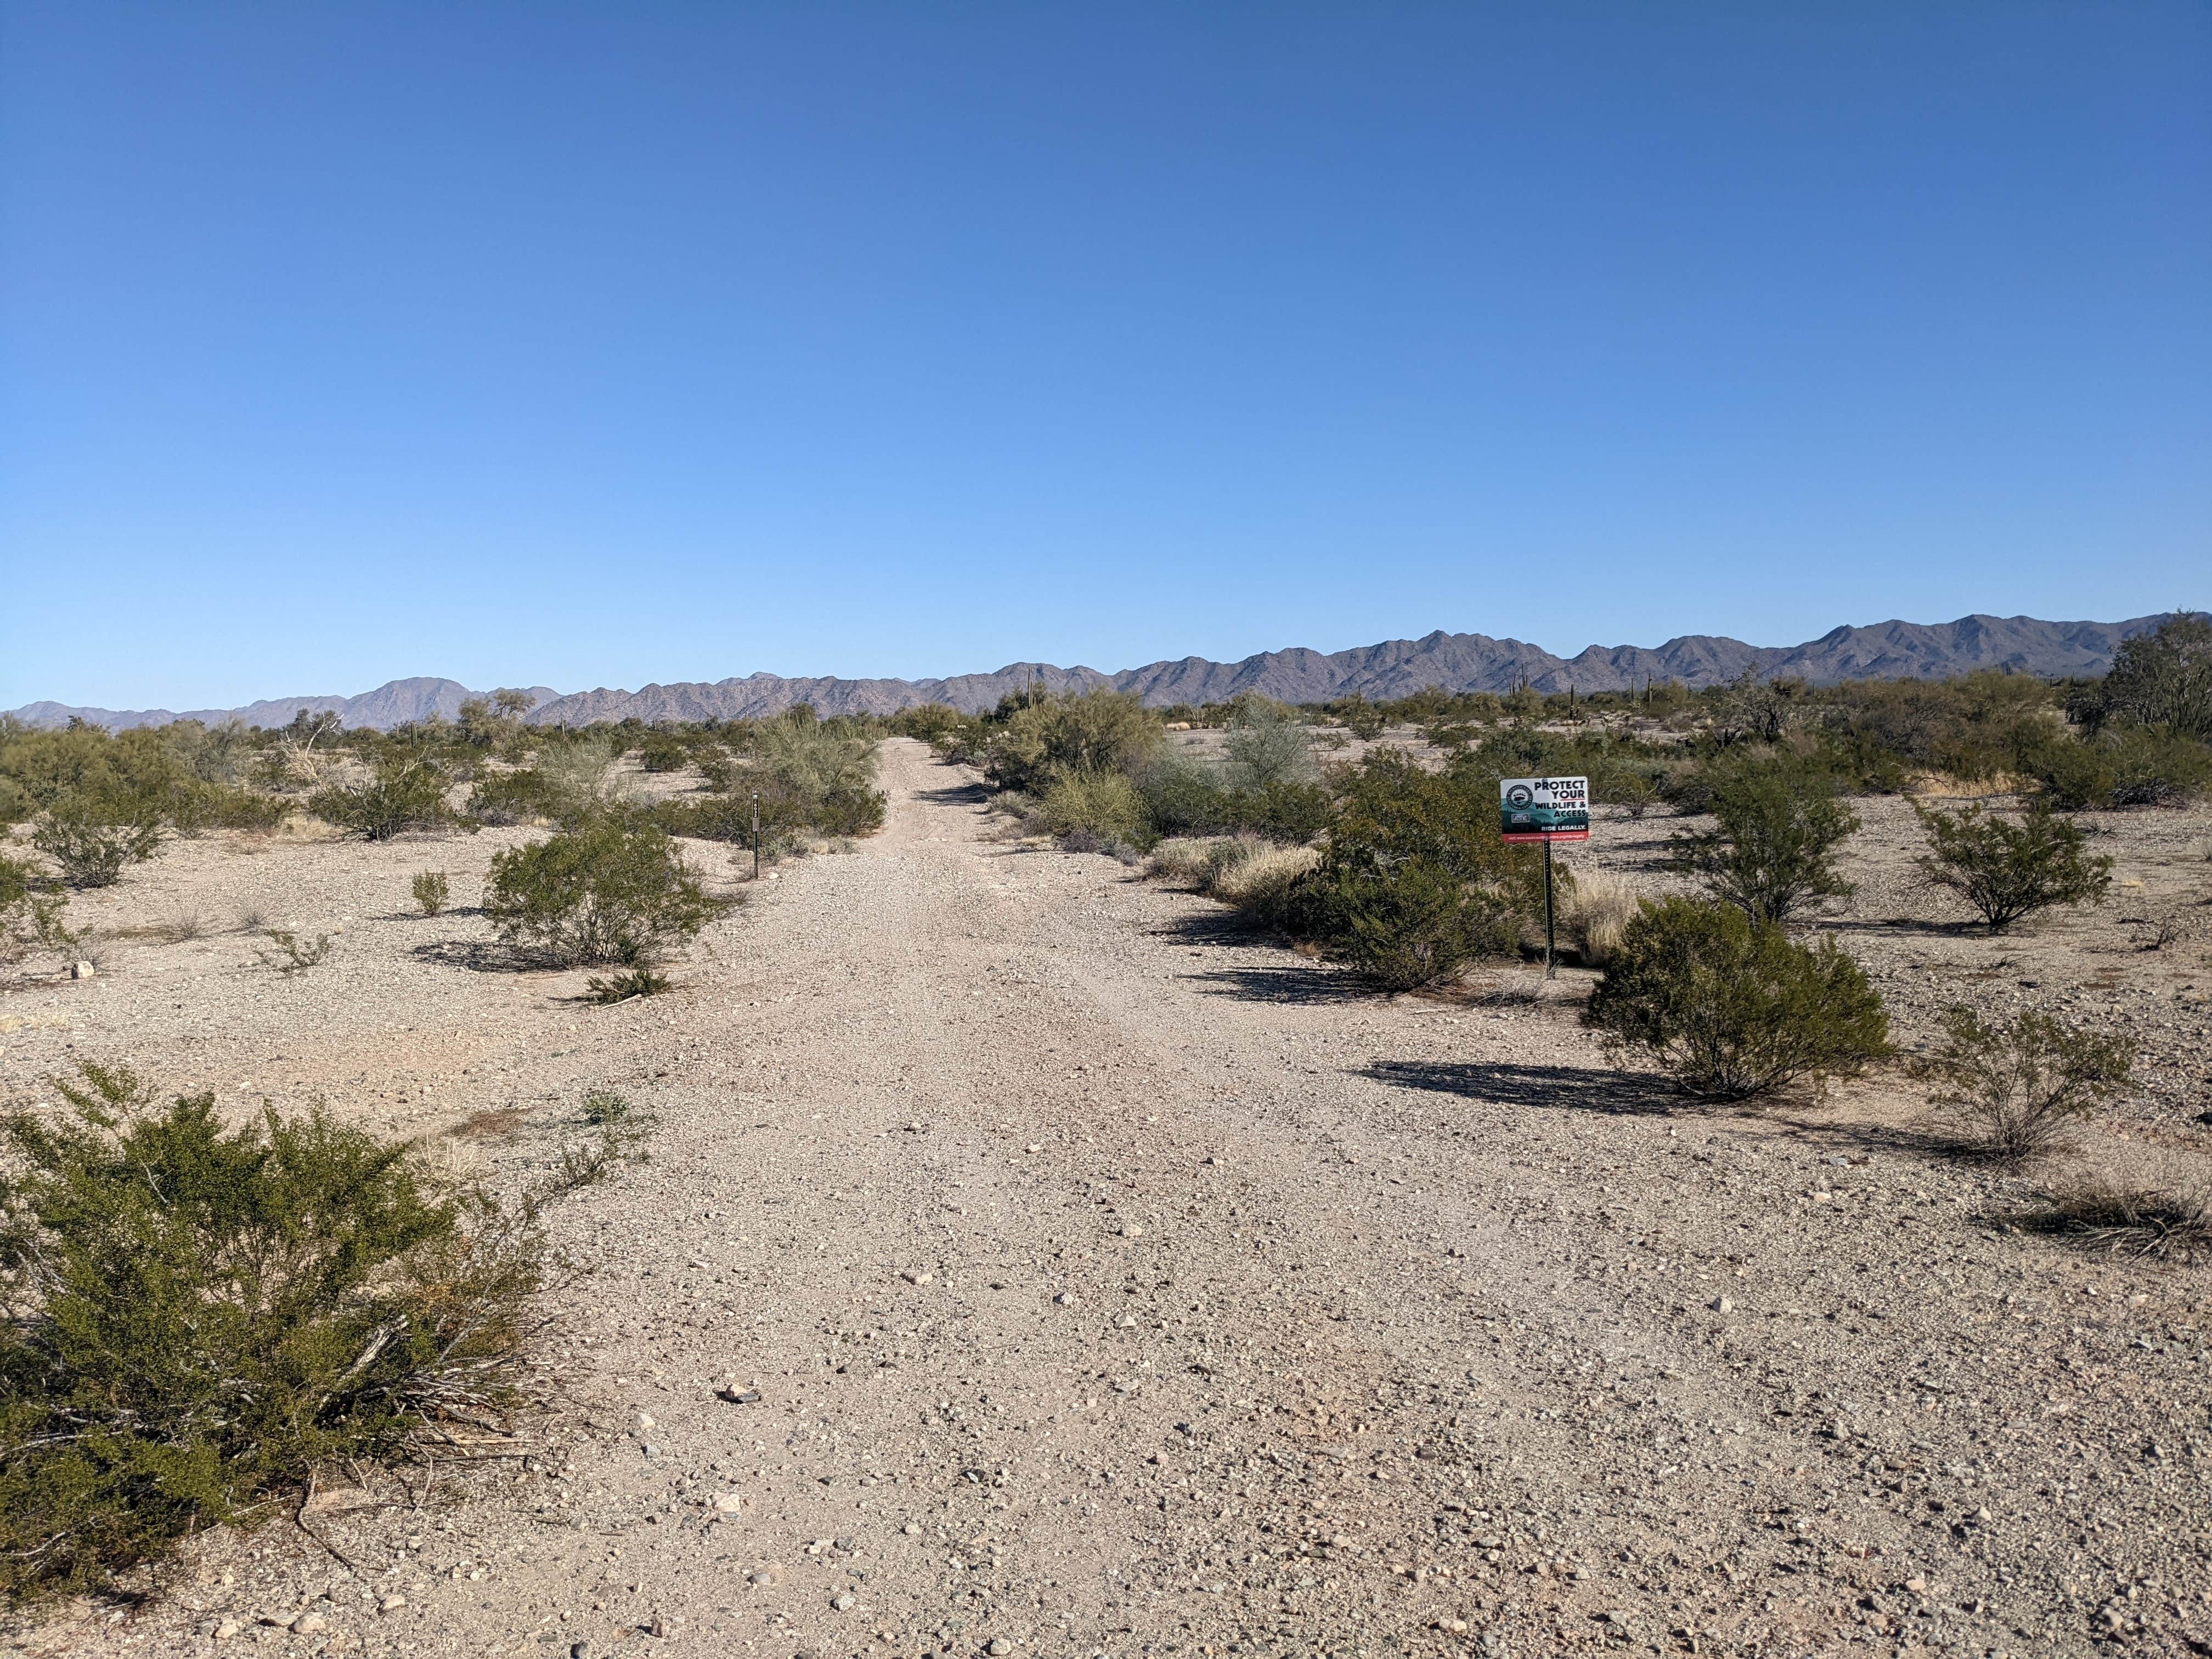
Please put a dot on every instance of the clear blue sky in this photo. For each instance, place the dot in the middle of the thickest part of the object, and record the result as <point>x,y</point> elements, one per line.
<point>597,343</point>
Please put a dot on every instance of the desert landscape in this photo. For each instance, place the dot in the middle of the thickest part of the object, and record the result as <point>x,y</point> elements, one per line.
<point>1025,1254</point>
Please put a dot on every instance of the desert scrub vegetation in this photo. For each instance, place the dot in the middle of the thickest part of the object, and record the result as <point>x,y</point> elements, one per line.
<point>294,952</point>
<point>407,792</point>
<point>1771,851</point>
<point>1596,908</point>
<point>1732,1008</point>
<point>200,1318</point>
<point>431,889</point>
<point>2008,1089</point>
<point>91,840</point>
<point>2161,1222</point>
<point>1414,880</point>
<point>30,915</point>
<point>2007,871</point>
<point>612,892</point>
<point>811,776</point>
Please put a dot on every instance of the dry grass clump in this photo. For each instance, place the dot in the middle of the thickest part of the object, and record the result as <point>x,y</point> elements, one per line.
<point>2166,1224</point>
<point>1600,906</point>
<point>1260,885</point>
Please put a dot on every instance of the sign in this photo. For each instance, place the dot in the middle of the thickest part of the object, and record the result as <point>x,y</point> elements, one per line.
<point>1544,809</point>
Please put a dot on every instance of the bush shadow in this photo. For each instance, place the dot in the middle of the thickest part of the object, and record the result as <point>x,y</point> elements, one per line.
<point>478,956</point>
<point>1548,1088</point>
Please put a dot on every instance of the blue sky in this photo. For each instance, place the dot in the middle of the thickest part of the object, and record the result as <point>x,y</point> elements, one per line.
<point>594,345</point>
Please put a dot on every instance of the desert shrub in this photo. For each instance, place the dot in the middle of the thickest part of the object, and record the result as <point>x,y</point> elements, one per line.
<point>609,892</point>
<point>1098,808</point>
<point>195,806</point>
<point>91,840</point>
<point>2170,1224</point>
<point>1184,796</point>
<point>2122,766</point>
<point>201,1317</point>
<point>664,751</point>
<point>30,917</point>
<point>1100,731</point>
<point>625,984</point>
<point>2011,1087</point>
<point>295,953</point>
<point>2160,678</point>
<point>1265,745</point>
<point>407,792</point>
<point>1632,790</point>
<point>431,891</point>
<point>1772,848</point>
<point>2007,870</point>
<point>1407,925</point>
<point>932,722</point>
<point>1597,906</point>
<point>1733,1008</point>
<point>1261,885</point>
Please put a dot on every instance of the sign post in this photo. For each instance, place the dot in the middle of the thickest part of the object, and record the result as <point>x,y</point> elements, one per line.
<point>1545,810</point>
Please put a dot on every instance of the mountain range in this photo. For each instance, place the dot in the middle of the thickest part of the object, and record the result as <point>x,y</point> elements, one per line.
<point>1457,662</point>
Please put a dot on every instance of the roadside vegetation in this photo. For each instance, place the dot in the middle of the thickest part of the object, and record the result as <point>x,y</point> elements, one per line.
<point>204,1317</point>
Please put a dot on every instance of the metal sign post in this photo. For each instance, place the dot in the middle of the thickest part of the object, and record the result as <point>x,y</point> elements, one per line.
<point>1545,810</point>
<point>756,834</point>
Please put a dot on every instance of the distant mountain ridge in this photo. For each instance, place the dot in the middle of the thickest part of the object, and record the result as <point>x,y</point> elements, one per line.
<point>1395,668</point>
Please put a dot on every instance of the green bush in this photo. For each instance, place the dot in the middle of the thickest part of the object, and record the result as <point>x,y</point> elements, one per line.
<point>2007,870</point>
<point>1732,1008</point>
<point>610,892</point>
<point>664,751</point>
<point>92,840</point>
<point>2122,766</point>
<point>1409,924</point>
<point>30,918</point>
<point>518,797</point>
<point>431,890</point>
<point>2161,678</point>
<point>1265,745</point>
<point>295,953</point>
<point>1094,810</point>
<point>1773,846</point>
<point>1101,732</point>
<point>202,1317</point>
<point>2011,1086</point>
<point>408,792</point>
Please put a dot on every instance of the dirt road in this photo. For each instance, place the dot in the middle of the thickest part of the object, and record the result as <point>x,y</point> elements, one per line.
<point>1114,1284</point>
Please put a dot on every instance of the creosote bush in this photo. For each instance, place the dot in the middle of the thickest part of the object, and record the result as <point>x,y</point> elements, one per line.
<point>91,841</point>
<point>408,792</point>
<point>2007,870</point>
<point>611,892</point>
<point>1733,1008</point>
<point>1772,849</point>
<point>30,918</point>
<point>431,890</point>
<point>1411,924</point>
<point>199,1317</point>
<point>2011,1087</point>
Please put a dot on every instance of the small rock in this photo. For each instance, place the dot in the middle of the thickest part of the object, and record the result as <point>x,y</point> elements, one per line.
<point>1916,1585</point>
<point>1034,1146</point>
<point>1722,1304</point>
<point>308,1623</point>
<point>912,1529</point>
<point>999,1644</point>
<point>844,1603</point>
<point>1127,1322</point>
<point>919,1279</point>
<point>765,1576</point>
<point>392,1604</point>
<point>729,1503</point>
<point>1131,1232</point>
<point>82,970</point>
<point>738,1396</point>
<point>1065,1299</point>
<point>229,1628</point>
<point>645,1420</point>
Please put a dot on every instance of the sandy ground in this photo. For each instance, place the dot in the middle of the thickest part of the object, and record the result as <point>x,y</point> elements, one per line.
<point>1114,1283</point>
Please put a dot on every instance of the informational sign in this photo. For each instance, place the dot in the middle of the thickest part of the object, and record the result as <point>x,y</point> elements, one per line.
<point>1544,809</point>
